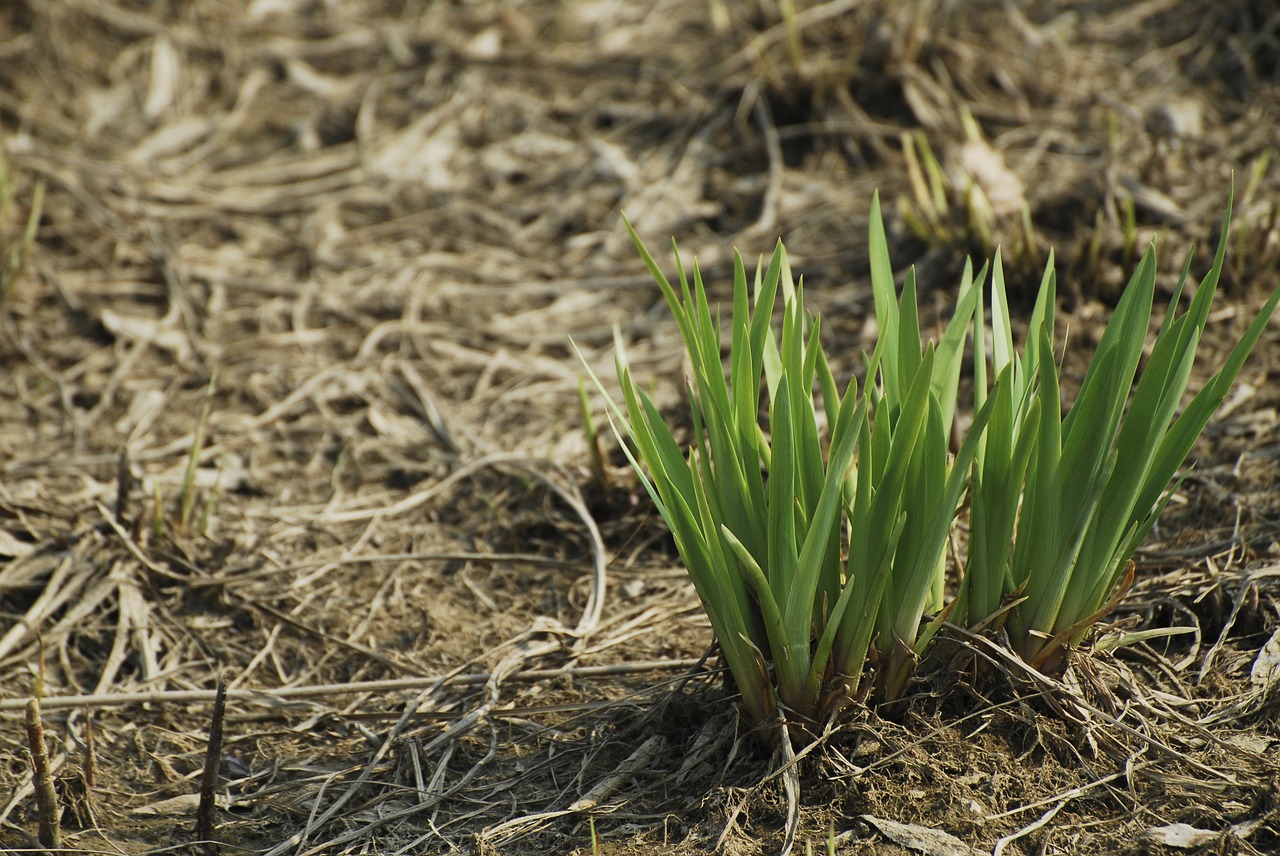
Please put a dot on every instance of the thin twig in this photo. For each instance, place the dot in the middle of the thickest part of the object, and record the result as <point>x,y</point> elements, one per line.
<point>274,697</point>
<point>206,813</point>
<point>791,786</point>
<point>47,809</point>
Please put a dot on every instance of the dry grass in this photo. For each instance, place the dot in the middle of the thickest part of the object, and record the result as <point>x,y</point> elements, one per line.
<point>375,226</point>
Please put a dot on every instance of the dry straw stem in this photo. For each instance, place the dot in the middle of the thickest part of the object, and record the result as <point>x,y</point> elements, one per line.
<point>207,811</point>
<point>48,809</point>
<point>282,695</point>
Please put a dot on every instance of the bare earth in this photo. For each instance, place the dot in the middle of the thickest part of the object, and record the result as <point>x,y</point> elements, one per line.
<point>288,394</point>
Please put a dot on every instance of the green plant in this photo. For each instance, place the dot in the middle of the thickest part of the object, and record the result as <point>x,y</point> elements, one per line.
<point>816,538</point>
<point>737,531</point>
<point>1092,482</point>
<point>759,517</point>
<point>913,491</point>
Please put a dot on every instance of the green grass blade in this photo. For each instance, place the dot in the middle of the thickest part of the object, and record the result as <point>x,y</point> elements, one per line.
<point>1156,398</point>
<point>889,497</point>
<point>781,491</point>
<point>1027,369</point>
<point>1177,443</point>
<point>950,351</point>
<point>940,506</point>
<point>1037,545</point>
<point>908,340</point>
<point>791,659</point>
<point>1001,328</point>
<point>1126,333</point>
<point>763,346</point>
<point>885,295</point>
<point>851,666</point>
<point>980,387</point>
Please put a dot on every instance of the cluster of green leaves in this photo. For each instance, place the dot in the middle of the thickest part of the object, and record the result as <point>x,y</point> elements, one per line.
<point>762,552</point>
<point>1059,503</point>
<point>819,544</point>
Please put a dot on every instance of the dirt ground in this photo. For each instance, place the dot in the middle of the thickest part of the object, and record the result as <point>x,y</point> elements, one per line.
<point>288,394</point>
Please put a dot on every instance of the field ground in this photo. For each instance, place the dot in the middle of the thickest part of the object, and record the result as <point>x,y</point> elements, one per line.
<point>338,249</point>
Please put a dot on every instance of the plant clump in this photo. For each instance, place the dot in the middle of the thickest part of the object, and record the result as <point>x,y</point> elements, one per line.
<point>817,537</point>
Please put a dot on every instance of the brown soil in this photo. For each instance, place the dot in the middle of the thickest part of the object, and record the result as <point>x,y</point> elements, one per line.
<point>338,250</point>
